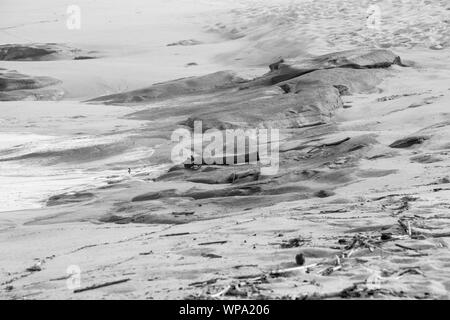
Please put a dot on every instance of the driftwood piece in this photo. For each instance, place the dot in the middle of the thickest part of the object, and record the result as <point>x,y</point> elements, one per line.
<point>101,285</point>
<point>287,270</point>
<point>206,282</point>
<point>213,242</point>
<point>175,234</point>
<point>330,144</point>
<point>417,232</point>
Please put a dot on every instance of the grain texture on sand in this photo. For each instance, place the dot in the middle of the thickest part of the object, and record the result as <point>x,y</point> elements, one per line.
<point>361,196</point>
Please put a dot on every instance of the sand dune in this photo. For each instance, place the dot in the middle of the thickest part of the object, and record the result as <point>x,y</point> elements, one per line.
<point>362,190</point>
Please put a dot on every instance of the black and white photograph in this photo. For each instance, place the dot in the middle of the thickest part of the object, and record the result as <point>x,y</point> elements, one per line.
<point>224,150</point>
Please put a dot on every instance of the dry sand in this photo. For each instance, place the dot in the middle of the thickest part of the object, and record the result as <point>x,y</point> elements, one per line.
<point>382,231</point>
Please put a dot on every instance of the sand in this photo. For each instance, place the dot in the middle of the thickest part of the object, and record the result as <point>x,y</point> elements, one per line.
<point>381,231</point>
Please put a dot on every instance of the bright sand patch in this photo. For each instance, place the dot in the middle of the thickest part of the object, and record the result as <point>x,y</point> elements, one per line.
<point>235,247</point>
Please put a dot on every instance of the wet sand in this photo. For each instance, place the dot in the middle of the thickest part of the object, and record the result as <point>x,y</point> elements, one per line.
<point>368,215</point>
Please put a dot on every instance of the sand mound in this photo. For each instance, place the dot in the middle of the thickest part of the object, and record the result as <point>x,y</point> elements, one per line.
<point>313,91</point>
<point>42,52</point>
<point>15,81</point>
<point>171,89</point>
<point>358,58</point>
<point>311,106</point>
<point>347,81</point>
<point>370,216</point>
<point>15,86</point>
<point>304,114</point>
<point>352,59</point>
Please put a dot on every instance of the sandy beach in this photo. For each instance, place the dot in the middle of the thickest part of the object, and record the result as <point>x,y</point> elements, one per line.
<point>93,207</point>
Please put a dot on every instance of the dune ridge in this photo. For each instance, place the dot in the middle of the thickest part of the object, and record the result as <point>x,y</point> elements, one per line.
<point>360,197</point>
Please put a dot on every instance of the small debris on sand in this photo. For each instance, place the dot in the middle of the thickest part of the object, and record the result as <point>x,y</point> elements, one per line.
<point>300,259</point>
<point>101,285</point>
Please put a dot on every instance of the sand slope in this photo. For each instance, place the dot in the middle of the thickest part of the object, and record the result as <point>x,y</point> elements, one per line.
<point>363,189</point>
